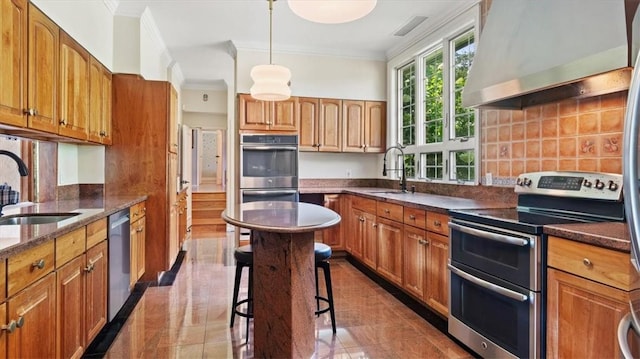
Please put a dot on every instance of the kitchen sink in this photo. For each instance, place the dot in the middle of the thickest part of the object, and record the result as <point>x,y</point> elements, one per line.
<point>389,192</point>
<point>35,218</point>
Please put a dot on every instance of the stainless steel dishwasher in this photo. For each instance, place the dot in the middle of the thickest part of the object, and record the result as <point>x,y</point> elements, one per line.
<point>119,261</point>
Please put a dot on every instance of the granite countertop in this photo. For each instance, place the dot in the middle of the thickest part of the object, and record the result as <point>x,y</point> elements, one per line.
<point>282,217</point>
<point>17,238</point>
<point>426,201</point>
<point>612,235</point>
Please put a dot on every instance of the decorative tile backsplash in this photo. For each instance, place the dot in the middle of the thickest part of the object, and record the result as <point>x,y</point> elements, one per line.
<point>584,134</point>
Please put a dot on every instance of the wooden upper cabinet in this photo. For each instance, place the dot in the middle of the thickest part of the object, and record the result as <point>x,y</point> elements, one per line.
<point>256,115</point>
<point>375,126</point>
<point>42,71</point>
<point>364,126</point>
<point>13,62</point>
<point>99,103</point>
<point>74,88</point>
<point>173,120</point>
<point>308,131</point>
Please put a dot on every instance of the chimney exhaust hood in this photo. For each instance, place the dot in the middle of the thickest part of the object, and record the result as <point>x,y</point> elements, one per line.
<point>532,52</point>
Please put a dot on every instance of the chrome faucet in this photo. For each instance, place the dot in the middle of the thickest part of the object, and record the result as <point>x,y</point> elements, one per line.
<point>22,167</point>
<point>403,179</point>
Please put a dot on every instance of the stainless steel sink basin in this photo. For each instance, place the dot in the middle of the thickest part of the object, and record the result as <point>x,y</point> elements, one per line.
<point>389,192</point>
<point>35,218</point>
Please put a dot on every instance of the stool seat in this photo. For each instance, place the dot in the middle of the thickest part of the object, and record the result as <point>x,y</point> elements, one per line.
<point>244,254</point>
<point>322,252</point>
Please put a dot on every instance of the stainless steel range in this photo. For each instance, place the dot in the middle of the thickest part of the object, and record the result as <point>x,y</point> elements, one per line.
<point>497,261</point>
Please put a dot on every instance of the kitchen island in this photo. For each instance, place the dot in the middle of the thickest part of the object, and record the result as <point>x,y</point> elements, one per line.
<point>283,267</point>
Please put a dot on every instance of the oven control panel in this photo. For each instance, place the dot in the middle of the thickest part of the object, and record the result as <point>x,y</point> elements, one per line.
<point>595,185</point>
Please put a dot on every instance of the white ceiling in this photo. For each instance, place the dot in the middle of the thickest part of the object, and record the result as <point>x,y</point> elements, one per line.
<point>197,33</point>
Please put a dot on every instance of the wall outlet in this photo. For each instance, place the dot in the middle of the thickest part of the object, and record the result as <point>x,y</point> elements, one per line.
<point>348,173</point>
<point>489,179</point>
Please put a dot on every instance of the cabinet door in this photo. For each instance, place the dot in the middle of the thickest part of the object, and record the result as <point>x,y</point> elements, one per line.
<point>96,290</point>
<point>285,115</point>
<point>106,107</point>
<point>333,235</point>
<point>96,102</point>
<point>70,331</point>
<point>74,88</point>
<point>308,129</point>
<point>35,308</point>
<point>13,62</point>
<point>173,120</point>
<point>415,259</point>
<point>353,126</point>
<point>389,241</point>
<point>375,126</point>
<point>134,249</point>
<point>140,238</point>
<point>330,125</point>
<point>42,71</point>
<point>437,294</point>
<point>4,319</point>
<point>370,240</point>
<point>356,232</point>
<point>253,114</point>
<point>580,308</point>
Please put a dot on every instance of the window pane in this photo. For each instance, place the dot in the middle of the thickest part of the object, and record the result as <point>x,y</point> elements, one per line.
<point>464,166</point>
<point>409,164</point>
<point>433,165</point>
<point>407,99</point>
<point>464,118</point>
<point>433,100</point>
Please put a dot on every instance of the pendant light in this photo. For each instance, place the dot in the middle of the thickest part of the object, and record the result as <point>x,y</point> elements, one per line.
<point>331,11</point>
<point>270,82</point>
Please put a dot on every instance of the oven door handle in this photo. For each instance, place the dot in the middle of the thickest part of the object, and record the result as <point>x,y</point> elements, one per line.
<point>267,148</point>
<point>489,235</point>
<point>269,193</point>
<point>487,285</point>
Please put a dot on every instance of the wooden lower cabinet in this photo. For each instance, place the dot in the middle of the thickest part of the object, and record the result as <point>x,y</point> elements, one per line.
<point>437,287</point>
<point>34,309</point>
<point>70,290</point>
<point>138,236</point>
<point>333,236</point>
<point>389,249</point>
<point>415,261</point>
<point>369,240</point>
<point>97,288</point>
<point>583,317</point>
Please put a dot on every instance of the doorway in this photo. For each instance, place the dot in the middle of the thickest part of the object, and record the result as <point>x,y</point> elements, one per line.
<point>208,157</point>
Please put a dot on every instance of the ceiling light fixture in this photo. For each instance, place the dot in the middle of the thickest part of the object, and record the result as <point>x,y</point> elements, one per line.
<point>270,82</point>
<point>332,11</point>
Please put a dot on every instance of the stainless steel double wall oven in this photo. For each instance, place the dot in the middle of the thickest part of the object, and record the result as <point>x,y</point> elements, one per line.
<point>498,259</point>
<point>268,167</point>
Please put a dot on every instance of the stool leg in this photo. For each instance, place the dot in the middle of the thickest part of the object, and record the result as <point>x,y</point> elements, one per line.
<point>327,279</point>
<point>249,303</point>
<point>236,288</point>
<point>317,291</point>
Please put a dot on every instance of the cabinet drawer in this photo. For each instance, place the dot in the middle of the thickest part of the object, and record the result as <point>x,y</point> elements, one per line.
<point>438,222</point>
<point>26,267</point>
<point>96,232</point>
<point>70,245</point>
<point>137,211</point>
<point>363,204</point>
<point>415,217</point>
<point>390,211</point>
<point>602,265</point>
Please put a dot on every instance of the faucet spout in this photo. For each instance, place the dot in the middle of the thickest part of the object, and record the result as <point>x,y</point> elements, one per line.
<point>22,167</point>
<point>403,179</point>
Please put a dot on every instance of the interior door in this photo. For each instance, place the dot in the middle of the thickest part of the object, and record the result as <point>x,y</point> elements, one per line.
<point>187,166</point>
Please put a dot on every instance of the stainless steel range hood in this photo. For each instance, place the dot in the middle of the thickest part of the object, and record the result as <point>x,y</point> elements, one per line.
<point>538,51</point>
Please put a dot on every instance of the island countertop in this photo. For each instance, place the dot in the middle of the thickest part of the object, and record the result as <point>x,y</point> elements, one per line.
<point>17,238</point>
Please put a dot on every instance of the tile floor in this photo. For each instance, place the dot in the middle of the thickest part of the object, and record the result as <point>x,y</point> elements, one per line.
<point>190,319</point>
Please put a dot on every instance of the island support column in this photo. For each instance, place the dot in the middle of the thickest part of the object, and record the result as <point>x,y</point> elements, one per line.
<point>283,292</point>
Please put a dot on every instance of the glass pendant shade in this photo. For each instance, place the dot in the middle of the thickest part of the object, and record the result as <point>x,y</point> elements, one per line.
<point>270,82</point>
<point>331,11</point>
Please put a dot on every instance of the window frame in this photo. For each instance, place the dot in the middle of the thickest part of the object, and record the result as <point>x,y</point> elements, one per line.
<point>444,39</point>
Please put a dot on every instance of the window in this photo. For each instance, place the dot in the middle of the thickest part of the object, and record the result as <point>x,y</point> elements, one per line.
<point>439,134</point>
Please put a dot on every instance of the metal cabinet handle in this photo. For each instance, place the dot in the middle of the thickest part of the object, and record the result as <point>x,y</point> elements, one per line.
<point>63,122</point>
<point>437,223</point>
<point>90,267</point>
<point>412,217</point>
<point>423,242</point>
<point>488,285</point>
<point>30,112</point>
<point>10,327</point>
<point>489,235</point>
<point>386,211</point>
<point>38,264</point>
<point>20,322</point>
<point>587,262</point>
<point>139,229</point>
<point>361,219</point>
